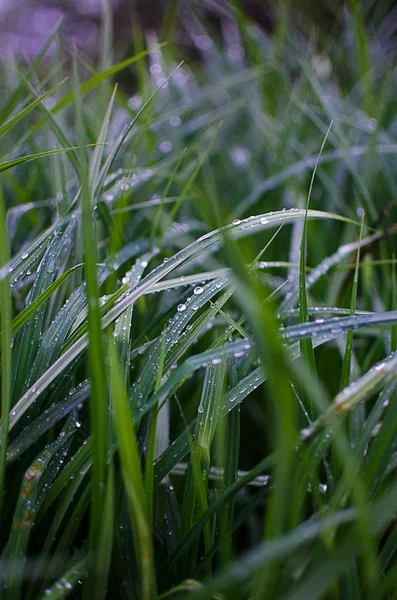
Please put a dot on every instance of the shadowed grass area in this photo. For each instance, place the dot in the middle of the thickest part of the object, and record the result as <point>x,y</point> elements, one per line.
<point>198,317</point>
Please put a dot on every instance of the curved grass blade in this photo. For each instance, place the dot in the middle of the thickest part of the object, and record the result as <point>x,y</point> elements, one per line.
<point>23,159</point>
<point>49,417</point>
<point>5,127</point>
<point>68,583</point>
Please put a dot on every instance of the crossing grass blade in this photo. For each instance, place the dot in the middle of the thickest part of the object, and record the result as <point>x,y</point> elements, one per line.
<point>306,345</point>
<point>23,159</point>
<point>5,127</point>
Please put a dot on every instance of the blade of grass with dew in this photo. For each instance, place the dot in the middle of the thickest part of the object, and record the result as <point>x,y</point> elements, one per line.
<point>77,515</point>
<point>29,311</point>
<point>28,503</point>
<point>132,478</point>
<point>174,454</point>
<point>43,571</point>
<point>207,422</point>
<point>28,257</point>
<point>175,330</point>
<point>27,340</point>
<point>151,443</point>
<point>231,462</point>
<point>306,344</point>
<point>96,585</point>
<point>97,155</point>
<point>355,415</point>
<point>81,459</point>
<point>50,417</point>
<point>69,581</point>
<point>380,453</point>
<point>325,265</point>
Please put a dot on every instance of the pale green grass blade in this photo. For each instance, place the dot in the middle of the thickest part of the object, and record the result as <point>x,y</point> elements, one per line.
<point>97,156</point>
<point>68,582</point>
<point>23,159</point>
<point>5,127</point>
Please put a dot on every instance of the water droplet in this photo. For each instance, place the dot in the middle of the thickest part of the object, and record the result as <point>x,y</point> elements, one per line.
<point>135,102</point>
<point>240,155</point>
<point>165,147</point>
<point>175,121</point>
<point>198,290</point>
<point>203,42</point>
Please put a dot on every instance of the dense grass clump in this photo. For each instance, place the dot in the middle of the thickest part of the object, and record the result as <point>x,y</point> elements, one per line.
<point>199,317</point>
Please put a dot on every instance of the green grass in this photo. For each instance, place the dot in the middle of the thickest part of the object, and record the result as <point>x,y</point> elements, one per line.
<point>198,317</point>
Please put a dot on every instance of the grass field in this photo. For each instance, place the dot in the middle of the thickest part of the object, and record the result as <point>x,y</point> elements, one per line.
<point>199,316</point>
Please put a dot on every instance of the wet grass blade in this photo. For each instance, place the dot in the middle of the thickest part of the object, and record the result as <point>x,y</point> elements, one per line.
<point>96,366</point>
<point>306,345</point>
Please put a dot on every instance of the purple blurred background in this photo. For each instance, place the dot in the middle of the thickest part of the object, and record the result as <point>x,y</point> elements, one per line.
<point>26,24</point>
